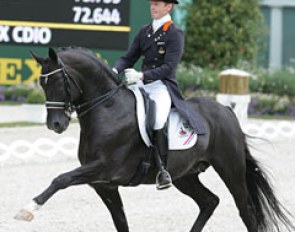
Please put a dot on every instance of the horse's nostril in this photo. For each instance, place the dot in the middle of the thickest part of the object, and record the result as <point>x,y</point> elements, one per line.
<point>56,125</point>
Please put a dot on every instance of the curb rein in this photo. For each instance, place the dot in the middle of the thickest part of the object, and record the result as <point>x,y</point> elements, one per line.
<point>67,105</point>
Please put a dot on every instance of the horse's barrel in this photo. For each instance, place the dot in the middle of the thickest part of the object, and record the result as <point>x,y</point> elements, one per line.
<point>234,81</point>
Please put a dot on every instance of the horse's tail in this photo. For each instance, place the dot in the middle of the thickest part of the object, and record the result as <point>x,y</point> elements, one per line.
<point>269,211</point>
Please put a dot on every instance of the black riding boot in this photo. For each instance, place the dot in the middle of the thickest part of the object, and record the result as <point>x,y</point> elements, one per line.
<point>163,179</point>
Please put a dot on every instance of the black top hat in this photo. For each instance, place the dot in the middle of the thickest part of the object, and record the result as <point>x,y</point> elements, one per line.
<point>168,1</point>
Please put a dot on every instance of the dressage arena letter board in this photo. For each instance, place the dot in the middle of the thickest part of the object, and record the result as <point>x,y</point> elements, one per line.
<point>94,24</point>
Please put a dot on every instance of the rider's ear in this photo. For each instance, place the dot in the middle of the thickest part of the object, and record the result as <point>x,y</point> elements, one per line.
<point>52,55</point>
<point>39,59</point>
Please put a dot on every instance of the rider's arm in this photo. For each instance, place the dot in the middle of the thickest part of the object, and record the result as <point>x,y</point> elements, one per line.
<point>132,55</point>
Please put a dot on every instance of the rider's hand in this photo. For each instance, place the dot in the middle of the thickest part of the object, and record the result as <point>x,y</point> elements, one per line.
<point>132,76</point>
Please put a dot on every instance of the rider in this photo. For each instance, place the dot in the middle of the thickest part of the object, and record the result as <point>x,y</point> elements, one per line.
<point>161,45</point>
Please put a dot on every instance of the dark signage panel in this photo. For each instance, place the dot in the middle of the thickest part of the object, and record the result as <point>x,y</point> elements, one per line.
<point>88,23</point>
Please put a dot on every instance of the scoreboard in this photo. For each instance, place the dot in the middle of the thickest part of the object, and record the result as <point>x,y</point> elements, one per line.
<point>104,26</point>
<point>88,23</point>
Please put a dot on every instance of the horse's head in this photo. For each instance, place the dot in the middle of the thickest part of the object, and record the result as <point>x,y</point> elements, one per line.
<point>60,89</point>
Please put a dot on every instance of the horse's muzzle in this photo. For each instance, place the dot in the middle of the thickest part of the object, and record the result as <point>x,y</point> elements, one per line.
<point>58,125</point>
<point>58,128</point>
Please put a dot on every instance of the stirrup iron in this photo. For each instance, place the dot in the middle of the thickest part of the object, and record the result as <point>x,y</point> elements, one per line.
<point>163,180</point>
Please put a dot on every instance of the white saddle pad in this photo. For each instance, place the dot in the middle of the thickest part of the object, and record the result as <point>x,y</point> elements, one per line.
<point>180,135</point>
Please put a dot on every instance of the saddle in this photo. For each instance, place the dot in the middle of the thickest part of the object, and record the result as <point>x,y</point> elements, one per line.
<point>180,134</point>
<point>150,112</point>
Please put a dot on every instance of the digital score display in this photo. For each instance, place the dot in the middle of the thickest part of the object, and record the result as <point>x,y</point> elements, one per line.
<point>102,24</point>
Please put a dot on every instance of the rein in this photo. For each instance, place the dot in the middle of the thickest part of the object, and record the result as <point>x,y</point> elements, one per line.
<point>67,105</point>
<point>95,102</point>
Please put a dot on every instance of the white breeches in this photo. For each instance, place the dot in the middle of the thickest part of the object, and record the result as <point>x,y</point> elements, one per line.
<point>159,93</point>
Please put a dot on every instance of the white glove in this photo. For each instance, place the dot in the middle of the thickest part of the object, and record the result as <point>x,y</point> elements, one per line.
<point>133,76</point>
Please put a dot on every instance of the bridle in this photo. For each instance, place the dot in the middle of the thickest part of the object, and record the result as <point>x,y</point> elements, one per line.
<point>68,106</point>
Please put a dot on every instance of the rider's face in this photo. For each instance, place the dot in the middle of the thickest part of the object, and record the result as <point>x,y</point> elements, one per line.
<point>160,9</point>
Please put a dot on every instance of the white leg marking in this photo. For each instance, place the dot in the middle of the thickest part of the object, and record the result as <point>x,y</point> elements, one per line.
<point>32,206</point>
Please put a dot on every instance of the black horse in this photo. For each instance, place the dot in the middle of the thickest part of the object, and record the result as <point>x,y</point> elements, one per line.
<point>111,148</point>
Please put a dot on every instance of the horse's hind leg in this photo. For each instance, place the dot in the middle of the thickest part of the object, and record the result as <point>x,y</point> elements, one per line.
<point>112,200</point>
<point>235,180</point>
<point>206,200</point>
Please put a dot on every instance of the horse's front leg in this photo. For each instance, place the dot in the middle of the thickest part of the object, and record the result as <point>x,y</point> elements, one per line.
<point>111,198</point>
<point>85,174</point>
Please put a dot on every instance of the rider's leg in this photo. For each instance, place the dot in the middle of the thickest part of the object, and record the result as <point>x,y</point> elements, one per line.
<point>159,94</point>
<point>163,179</point>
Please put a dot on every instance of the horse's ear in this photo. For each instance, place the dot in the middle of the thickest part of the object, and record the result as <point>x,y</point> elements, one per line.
<point>39,59</point>
<point>52,55</point>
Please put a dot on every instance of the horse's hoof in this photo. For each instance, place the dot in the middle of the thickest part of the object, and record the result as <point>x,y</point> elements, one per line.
<point>24,215</point>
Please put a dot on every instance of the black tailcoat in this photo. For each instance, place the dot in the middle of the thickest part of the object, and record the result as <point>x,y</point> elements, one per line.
<point>161,52</point>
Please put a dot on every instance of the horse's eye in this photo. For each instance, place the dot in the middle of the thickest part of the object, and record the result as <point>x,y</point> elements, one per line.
<point>45,70</point>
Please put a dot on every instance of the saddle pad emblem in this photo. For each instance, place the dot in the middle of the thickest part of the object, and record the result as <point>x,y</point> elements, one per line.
<point>181,135</point>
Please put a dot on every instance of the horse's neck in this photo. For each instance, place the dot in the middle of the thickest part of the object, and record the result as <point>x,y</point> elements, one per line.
<point>116,112</point>
<point>94,85</point>
<point>93,78</point>
<point>94,90</point>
